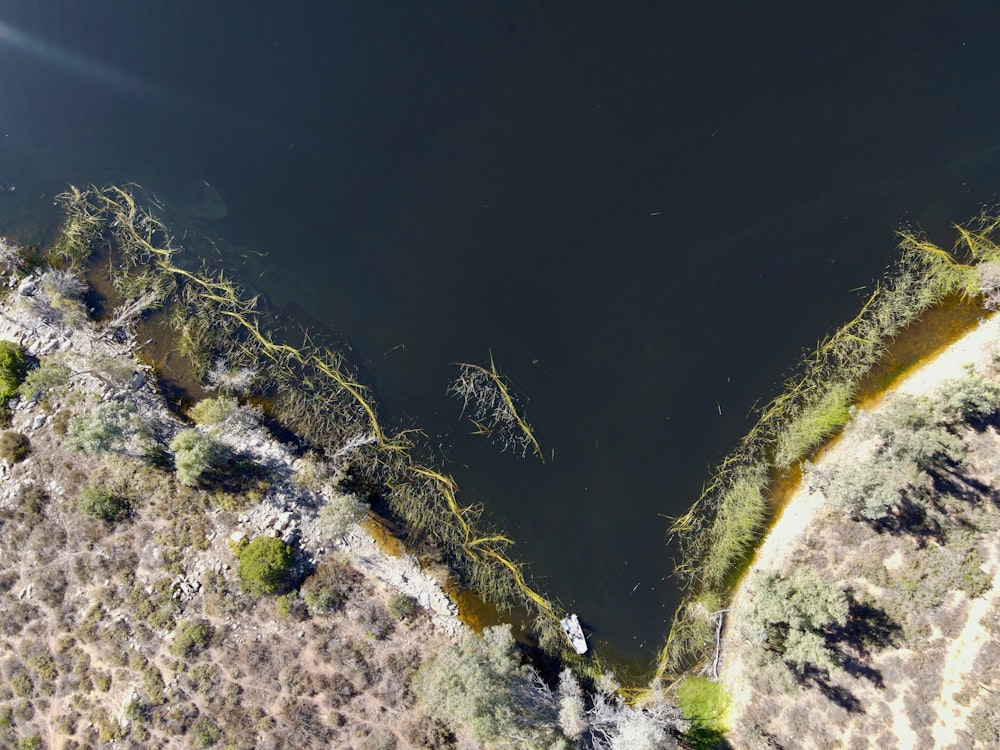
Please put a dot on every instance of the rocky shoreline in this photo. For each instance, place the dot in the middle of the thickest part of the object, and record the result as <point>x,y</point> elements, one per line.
<point>287,511</point>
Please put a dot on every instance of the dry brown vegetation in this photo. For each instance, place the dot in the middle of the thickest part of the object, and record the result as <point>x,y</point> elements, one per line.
<point>122,622</point>
<point>102,643</point>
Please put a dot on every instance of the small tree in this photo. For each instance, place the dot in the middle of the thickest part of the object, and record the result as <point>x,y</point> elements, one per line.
<point>196,453</point>
<point>14,446</point>
<point>13,368</point>
<point>103,429</point>
<point>480,687</point>
<point>790,615</point>
<point>264,565</point>
<point>341,511</point>
<point>970,398</point>
<point>101,502</point>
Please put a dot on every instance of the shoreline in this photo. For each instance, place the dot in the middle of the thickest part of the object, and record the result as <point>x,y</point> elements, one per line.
<point>801,531</point>
<point>804,505</point>
<point>400,572</point>
<point>157,594</point>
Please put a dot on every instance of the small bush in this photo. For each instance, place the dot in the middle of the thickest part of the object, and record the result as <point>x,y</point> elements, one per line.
<point>341,511</point>
<point>104,429</point>
<point>205,733</point>
<point>13,369</point>
<point>192,637</point>
<point>101,502</point>
<point>402,606</point>
<point>43,380</point>
<point>705,704</point>
<point>14,446</point>
<point>195,454</point>
<point>264,565</point>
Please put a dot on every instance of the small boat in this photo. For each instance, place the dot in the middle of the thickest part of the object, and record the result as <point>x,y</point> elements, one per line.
<point>571,627</point>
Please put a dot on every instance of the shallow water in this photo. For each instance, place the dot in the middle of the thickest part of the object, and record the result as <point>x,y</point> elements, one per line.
<point>645,214</point>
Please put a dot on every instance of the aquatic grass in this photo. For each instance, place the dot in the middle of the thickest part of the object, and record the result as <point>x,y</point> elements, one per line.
<point>818,419</point>
<point>693,630</point>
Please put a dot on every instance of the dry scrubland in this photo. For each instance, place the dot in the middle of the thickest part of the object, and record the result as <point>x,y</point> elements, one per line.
<point>122,617</point>
<point>871,615</point>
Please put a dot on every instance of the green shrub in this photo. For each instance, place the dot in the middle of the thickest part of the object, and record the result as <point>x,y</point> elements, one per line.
<point>264,565</point>
<point>34,742</point>
<point>402,606</point>
<point>192,637</point>
<point>341,511</point>
<point>14,446</point>
<point>103,429</point>
<point>195,454</point>
<point>21,685</point>
<point>204,678</point>
<point>788,617</point>
<point>205,733</point>
<point>214,411</point>
<point>101,502</point>
<point>41,381</point>
<point>706,705</point>
<point>136,710</point>
<point>13,368</point>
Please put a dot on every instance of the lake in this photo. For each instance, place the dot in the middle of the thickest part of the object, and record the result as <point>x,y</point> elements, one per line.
<point>645,212</point>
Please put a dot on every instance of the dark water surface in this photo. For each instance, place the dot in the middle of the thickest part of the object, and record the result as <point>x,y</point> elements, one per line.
<point>644,210</point>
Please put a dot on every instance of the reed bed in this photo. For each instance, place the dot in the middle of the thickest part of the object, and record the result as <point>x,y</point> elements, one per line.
<point>720,532</point>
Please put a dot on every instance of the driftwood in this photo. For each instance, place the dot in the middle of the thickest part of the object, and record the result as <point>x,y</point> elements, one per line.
<point>718,642</point>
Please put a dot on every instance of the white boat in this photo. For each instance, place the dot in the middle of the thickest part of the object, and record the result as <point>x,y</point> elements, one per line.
<point>571,627</point>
